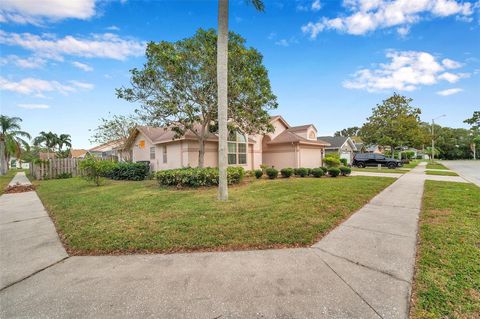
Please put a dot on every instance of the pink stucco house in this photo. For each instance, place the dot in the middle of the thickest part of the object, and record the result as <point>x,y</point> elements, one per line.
<point>286,146</point>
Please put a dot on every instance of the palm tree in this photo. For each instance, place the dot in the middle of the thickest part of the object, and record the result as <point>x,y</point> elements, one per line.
<point>64,139</point>
<point>222,87</point>
<point>11,140</point>
<point>48,139</point>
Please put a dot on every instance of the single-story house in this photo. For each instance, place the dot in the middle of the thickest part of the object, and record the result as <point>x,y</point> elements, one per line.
<point>286,146</point>
<point>78,153</point>
<point>376,149</point>
<point>113,150</point>
<point>344,146</point>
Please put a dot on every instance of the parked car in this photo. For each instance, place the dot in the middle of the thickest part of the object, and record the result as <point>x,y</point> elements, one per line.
<point>369,159</point>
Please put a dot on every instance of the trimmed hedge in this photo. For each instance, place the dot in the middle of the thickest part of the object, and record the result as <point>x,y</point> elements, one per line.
<point>345,170</point>
<point>197,177</point>
<point>324,169</point>
<point>333,171</point>
<point>302,172</point>
<point>258,173</point>
<point>317,172</point>
<point>344,161</point>
<point>286,172</point>
<point>272,173</point>
<point>128,171</point>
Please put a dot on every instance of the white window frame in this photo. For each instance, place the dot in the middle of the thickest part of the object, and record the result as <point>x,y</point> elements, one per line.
<point>152,154</point>
<point>240,139</point>
<point>164,154</point>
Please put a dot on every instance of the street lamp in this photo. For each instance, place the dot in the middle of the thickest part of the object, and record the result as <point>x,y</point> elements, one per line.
<point>433,135</point>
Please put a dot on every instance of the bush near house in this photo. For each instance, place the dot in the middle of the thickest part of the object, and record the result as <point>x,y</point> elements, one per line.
<point>272,173</point>
<point>302,171</point>
<point>344,161</point>
<point>333,171</point>
<point>332,160</point>
<point>94,169</point>
<point>345,170</point>
<point>128,171</point>
<point>286,172</point>
<point>317,172</point>
<point>258,173</point>
<point>196,177</point>
<point>324,169</point>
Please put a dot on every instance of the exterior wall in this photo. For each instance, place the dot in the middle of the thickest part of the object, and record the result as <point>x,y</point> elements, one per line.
<point>310,133</point>
<point>310,157</point>
<point>142,154</point>
<point>281,156</point>
<point>174,156</point>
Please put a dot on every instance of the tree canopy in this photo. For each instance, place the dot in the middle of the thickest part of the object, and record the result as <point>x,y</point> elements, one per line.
<point>348,132</point>
<point>393,123</point>
<point>177,87</point>
<point>118,127</point>
<point>12,140</point>
<point>474,121</point>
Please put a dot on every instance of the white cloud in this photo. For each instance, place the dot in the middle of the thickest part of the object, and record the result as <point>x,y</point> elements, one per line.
<point>316,5</point>
<point>113,28</point>
<point>82,85</point>
<point>34,106</point>
<point>449,91</point>
<point>82,66</point>
<point>37,87</point>
<point>35,12</point>
<point>369,15</point>
<point>105,45</point>
<point>24,63</point>
<point>286,42</point>
<point>406,71</point>
<point>450,64</point>
<point>403,31</point>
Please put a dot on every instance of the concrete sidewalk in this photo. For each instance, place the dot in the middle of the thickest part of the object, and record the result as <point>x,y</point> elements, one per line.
<point>28,239</point>
<point>19,179</point>
<point>362,269</point>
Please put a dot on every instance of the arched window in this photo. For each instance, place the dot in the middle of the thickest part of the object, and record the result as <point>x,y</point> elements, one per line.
<point>237,148</point>
<point>312,135</point>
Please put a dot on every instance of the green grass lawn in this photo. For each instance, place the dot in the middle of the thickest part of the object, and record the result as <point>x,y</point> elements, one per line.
<point>447,281</point>
<point>435,165</point>
<point>446,173</point>
<point>381,170</point>
<point>122,217</point>
<point>5,179</point>
<point>412,164</point>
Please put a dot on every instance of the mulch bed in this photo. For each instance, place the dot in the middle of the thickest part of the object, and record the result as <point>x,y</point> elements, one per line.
<point>11,189</point>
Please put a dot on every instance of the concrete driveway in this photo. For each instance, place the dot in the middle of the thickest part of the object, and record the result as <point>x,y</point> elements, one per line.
<point>470,170</point>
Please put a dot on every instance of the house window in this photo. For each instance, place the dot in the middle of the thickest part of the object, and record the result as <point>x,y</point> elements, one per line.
<point>237,149</point>
<point>164,154</point>
<point>152,152</point>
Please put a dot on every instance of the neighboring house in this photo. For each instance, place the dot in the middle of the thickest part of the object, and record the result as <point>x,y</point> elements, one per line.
<point>80,153</point>
<point>286,146</point>
<point>15,163</point>
<point>360,148</point>
<point>376,149</point>
<point>343,146</point>
<point>114,150</point>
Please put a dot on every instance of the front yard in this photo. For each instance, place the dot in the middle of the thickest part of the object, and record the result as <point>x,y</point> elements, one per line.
<point>381,170</point>
<point>447,281</point>
<point>441,173</point>
<point>123,217</point>
<point>5,179</point>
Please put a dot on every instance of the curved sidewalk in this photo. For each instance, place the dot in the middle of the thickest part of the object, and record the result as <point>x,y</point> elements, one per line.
<point>362,269</point>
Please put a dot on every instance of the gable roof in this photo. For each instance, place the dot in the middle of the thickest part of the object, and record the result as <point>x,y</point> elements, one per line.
<point>281,119</point>
<point>78,153</point>
<point>336,141</point>
<point>290,137</point>
<point>301,128</point>
<point>109,145</point>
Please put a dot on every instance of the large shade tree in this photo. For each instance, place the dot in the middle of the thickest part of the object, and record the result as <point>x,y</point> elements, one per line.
<point>118,127</point>
<point>393,123</point>
<point>12,139</point>
<point>177,87</point>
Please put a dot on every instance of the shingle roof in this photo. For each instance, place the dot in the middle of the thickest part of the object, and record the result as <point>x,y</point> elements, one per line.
<point>290,137</point>
<point>334,141</point>
<point>300,128</point>
<point>78,153</point>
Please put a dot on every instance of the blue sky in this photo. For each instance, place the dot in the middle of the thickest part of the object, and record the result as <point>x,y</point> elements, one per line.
<point>329,62</point>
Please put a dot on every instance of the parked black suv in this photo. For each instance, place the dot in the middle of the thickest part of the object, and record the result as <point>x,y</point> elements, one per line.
<point>370,159</point>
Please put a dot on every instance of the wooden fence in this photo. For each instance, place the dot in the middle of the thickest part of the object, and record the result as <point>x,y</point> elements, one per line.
<point>52,168</point>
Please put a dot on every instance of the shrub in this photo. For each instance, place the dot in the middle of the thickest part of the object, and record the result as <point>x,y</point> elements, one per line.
<point>332,161</point>
<point>345,170</point>
<point>272,173</point>
<point>324,169</point>
<point>94,169</point>
<point>317,172</point>
<point>64,175</point>
<point>344,161</point>
<point>333,171</point>
<point>196,177</point>
<point>286,172</point>
<point>302,172</point>
<point>258,173</point>
<point>129,171</point>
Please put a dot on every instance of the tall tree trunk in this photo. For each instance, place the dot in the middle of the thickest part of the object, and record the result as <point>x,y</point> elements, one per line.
<point>3,158</point>
<point>201,153</point>
<point>222,78</point>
